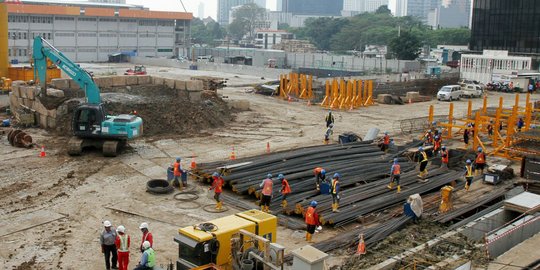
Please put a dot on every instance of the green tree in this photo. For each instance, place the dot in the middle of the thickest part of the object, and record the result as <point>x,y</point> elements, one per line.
<point>406,46</point>
<point>244,20</point>
<point>206,34</point>
<point>320,30</point>
<point>453,36</point>
<point>383,10</point>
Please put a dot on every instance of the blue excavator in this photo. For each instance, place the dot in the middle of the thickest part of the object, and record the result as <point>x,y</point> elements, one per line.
<point>91,125</point>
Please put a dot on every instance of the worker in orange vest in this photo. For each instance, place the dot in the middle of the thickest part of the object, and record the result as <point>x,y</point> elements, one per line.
<point>285,189</point>
<point>217,186</point>
<point>480,162</point>
<point>468,175</point>
<point>122,243</point>
<point>437,144</point>
<point>444,157</point>
<point>395,173</point>
<point>423,159</point>
<point>335,192</point>
<point>267,188</point>
<point>312,220</point>
<point>177,170</point>
<point>320,176</point>
<point>428,138</point>
<point>386,142</point>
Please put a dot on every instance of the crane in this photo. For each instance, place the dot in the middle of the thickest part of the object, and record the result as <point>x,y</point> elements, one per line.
<point>91,124</point>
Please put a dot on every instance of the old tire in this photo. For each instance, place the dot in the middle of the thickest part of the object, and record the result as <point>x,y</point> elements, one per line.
<point>159,186</point>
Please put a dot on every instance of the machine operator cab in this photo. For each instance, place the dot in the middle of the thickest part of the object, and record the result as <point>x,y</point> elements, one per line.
<point>91,120</point>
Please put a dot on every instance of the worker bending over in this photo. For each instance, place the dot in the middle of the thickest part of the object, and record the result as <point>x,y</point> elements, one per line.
<point>147,236</point>
<point>423,159</point>
<point>386,142</point>
<point>148,258</point>
<point>312,220</point>
<point>480,162</point>
<point>335,192</point>
<point>217,186</point>
<point>285,189</point>
<point>395,172</point>
<point>468,174</point>
<point>320,176</point>
<point>444,157</point>
<point>267,186</point>
<point>122,245</point>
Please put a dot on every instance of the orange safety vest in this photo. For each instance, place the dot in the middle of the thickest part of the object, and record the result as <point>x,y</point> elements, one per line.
<point>285,188</point>
<point>177,171</point>
<point>424,156</point>
<point>317,171</point>
<point>335,182</point>
<point>445,156</point>
<point>480,158</point>
<point>396,169</point>
<point>267,187</point>
<point>311,216</point>
<point>469,171</point>
<point>386,139</point>
<point>217,184</point>
<point>437,144</point>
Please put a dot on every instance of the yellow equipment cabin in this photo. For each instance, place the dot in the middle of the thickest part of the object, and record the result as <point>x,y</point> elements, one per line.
<point>210,242</point>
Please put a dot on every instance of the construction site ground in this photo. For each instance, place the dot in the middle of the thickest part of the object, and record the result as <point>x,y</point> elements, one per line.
<point>53,207</point>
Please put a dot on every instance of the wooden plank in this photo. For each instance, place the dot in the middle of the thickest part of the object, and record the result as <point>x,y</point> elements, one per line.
<point>27,221</point>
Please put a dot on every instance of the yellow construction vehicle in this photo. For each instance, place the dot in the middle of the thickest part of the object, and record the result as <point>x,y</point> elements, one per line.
<point>5,84</point>
<point>210,243</point>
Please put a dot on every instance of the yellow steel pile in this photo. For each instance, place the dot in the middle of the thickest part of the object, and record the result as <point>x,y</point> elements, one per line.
<point>296,85</point>
<point>348,94</point>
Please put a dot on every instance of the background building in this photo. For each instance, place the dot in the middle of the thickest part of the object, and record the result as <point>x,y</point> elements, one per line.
<point>311,7</point>
<point>353,7</point>
<point>451,14</point>
<point>89,32</point>
<point>200,11</point>
<point>225,6</point>
<point>416,8</point>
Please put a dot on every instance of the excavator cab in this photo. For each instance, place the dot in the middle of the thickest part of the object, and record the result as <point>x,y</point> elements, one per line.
<point>87,120</point>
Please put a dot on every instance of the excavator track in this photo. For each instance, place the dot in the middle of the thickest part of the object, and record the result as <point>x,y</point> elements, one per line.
<point>110,148</point>
<point>75,146</point>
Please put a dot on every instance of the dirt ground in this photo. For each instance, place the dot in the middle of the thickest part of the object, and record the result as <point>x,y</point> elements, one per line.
<point>69,197</point>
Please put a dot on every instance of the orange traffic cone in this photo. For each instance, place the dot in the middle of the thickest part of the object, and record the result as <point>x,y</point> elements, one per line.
<point>42,152</point>
<point>361,250</point>
<point>193,163</point>
<point>233,155</point>
<point>268,147</point>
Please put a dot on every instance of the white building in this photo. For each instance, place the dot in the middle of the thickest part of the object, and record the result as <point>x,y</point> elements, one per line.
<point>90,32</point>
<point>400,8</point>
<point>225,6</point>
<point>353,7</point>
<point>266,38</point>
<point>492,64</point>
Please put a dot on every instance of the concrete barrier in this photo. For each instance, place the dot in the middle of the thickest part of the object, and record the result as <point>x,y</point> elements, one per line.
<point>509,236</point>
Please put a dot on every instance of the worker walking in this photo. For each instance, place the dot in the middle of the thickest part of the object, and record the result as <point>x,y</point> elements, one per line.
<point>423,159</point>
<point>320,176</point>
<point>445,156</point>
<point>466,134</point>
<point>285,189</point>
<point>147,236</point>
<point>328,133</point>
<point>312,220</point>
<point>148,258</point>
<point>217,186</point>
<point>329,119</point>
<point>395,172</point>
<point>480,162</point>
<point>177,167</point>
<point>386,142</point>
<point>122,243</point>
<point>468,174</point>
<point>335,192</point>
<point>267,188</point>
<point>108,247</point>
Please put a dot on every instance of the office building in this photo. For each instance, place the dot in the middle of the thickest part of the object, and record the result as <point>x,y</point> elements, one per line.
<point>200,11</point>
<point>400,8</point>
<point>90,32</point>
<point>350,7</point>
<point>225,6</point>
<point>416,8</point>
<point>312,7</point>
<point>451,14</point>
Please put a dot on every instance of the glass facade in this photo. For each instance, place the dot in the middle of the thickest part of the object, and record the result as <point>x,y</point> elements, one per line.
<point>313,7</point>
<point>512,25</point>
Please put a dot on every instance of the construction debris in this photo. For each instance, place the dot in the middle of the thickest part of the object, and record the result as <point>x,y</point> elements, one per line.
<point>19,138</point>
<point>211,83</point>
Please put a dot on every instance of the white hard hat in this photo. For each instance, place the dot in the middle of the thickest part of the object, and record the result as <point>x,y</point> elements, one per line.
<point>143,225</point>
<point>107,223</point>
<point>146,244</point>
<point>121,229</point>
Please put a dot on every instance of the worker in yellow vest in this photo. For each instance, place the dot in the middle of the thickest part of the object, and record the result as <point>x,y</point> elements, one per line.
<point>468,175</point>
<point>335,192</point>
<point>423,160</point>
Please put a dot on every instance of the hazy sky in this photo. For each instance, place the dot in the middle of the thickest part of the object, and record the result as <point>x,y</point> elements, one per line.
<point>210,6</point>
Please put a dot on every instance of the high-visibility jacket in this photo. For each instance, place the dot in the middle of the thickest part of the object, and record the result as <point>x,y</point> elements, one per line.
<point>335,186</point>
<point>468,171</point>
<point>317,171</point>
<point>429,137</point>
<point>312,218</point>
<point>424,156</point>
<point>330,118</point>
<point>396,169</point>
<point>217,185</point>
<point>386,140</point>
<point>437,145</point>
<point>445,156</point>
<point>147,236</point>
<point>480,158</point>
<point>267,187</point>
<point>285,188</point>
<point>177,169</point>
<point>122,242</point>
<point>150,258</point>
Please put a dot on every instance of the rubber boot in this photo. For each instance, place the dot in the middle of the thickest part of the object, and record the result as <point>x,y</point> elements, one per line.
<point>398,189</point>
<point>219,204</point>
<point>337,206</point>
<point>308,237</point>
<point>390,186</point>
<point>284,203</point>
<point>466,187</point>
<point>262,208</point>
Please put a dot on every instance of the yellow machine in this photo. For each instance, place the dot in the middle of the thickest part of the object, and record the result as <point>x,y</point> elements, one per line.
<point>210,242</point>
<point>5,84</point>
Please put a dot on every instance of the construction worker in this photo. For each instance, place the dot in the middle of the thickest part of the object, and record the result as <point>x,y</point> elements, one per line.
<point>267,187</point>
<point>395,172</point>
<point>466,134</point>
<point>122,243</point>
<point>428,138</point>
<point>490,128</point>
<point>423,159</point>
<point>146,235</point>
<point>148,258</point>
<point>445,156</point>
<point>329,119</point>
<point>320,176</point>
<point>285,189</point>
<point>520,124</point>
<point>177,167</point>
<point>335,192</point>
<point>386,142</point>
<point>480,162</point>
<point>217,186</point>
<point>108,247</point>
<point>328,133</point>
<point>312,220</point>
<point>468,174</point>
<point>437,144</point>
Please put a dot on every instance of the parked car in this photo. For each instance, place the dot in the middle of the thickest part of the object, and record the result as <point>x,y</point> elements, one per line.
<point>472,90</point>
<point>450,92</point>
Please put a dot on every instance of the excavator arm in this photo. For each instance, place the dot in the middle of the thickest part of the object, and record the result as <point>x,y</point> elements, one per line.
<point>43,50</point>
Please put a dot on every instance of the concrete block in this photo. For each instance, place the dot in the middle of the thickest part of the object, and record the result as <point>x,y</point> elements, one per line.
<point>13,101</point>
<point>195,96</point>
<point>104,82</point>
<point>73,85</point>
<point>170,83</point>
<point>383,98</point>
<point>158,80</point>
<point>20,101</point>
<point>55,93</point>
<point>131,80</point>
<point>51,113</point>
<point>119,81</point>
<point>15,90</point>
<point>60,83</point>
<point>28,103</point>
<point>51,122</point>
<point>412,95</point>
<point>22,91</point>
<point>180,85</point>
<point>194,85</point>
<point>42,121</point>
<point>241,105</point>
<point>31,92</point>
<point>40,108</point>
<point>18,83</point>
<point>144,79</point>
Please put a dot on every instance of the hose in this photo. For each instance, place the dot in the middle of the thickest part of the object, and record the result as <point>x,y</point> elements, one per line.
<point>206,227</point>
<point>190,196</point>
